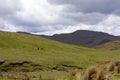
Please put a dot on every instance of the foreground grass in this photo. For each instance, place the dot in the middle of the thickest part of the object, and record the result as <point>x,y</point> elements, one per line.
<point>68,78</point>
<point>41,75</point>
<point>48,75</point>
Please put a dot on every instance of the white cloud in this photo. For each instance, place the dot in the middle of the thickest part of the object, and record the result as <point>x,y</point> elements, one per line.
<point>65,29</point>
<point>39,11</point>
<point>110,25</point>
<point>11,28</point>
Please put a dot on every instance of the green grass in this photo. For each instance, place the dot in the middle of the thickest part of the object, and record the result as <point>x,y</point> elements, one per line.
<point>5,79</point>
<point>23,47</point>
<point>48,75</point>
<point>117,75</point>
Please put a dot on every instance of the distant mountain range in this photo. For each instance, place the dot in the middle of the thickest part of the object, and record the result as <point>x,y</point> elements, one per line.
<point>84,38</point>
<point>118,37</point>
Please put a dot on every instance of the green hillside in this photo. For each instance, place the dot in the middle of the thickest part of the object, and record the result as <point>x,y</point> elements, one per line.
<point>113,45</point>
<point>17,49</point>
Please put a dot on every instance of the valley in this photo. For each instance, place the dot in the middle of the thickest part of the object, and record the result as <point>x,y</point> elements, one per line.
<point>31,54</point>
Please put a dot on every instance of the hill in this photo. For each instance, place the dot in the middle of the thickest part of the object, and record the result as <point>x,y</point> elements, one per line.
<point>113,45</point>
<point>32,53</point>
<point>84,38</point>
<point>118,37</point>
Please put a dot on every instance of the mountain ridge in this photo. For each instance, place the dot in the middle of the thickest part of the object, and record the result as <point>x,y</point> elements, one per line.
<point>84,38</point>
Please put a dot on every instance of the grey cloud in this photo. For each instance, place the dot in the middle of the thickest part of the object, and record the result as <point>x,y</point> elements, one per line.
<point>90,6</point>
<point>87,11</point>
<point>9,7</point>
<point>44,29</point>
<point>91,18</point>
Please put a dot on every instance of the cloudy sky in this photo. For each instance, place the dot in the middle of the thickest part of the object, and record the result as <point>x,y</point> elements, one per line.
<point>60,16</point>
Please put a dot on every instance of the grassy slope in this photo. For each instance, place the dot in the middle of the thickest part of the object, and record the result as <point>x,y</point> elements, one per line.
<point>22,47</point>
<point>113,45</point>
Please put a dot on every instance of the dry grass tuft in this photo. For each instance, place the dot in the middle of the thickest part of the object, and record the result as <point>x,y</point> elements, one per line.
<point>99,72</point>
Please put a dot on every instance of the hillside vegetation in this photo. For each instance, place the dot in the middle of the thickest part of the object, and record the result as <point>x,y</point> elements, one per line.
<point>23,52</point>
<point>113,45</point>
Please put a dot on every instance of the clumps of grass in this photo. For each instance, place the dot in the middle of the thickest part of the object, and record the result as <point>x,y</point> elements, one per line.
<point>102,71</point>
<point>92,73</point>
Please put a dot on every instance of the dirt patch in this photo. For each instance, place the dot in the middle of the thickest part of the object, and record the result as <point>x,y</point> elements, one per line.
<point>65,68</point>
<point>24,66</point>
<point>27,66</point>
<point>2,62</point>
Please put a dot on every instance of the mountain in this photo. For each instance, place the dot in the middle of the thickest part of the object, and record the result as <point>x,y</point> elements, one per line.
<point>118,37</point>
<point>23,32</point>
<point>84,38</point>
<point>113,45</point>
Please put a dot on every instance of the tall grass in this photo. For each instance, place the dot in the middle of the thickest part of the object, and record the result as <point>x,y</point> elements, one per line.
<point>99,72</point>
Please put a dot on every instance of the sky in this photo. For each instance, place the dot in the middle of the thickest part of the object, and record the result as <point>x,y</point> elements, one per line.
<point>50,17</point>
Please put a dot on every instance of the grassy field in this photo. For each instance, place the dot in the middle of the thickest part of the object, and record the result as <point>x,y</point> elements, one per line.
<point>27,51</point>
<point>21,47</point>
